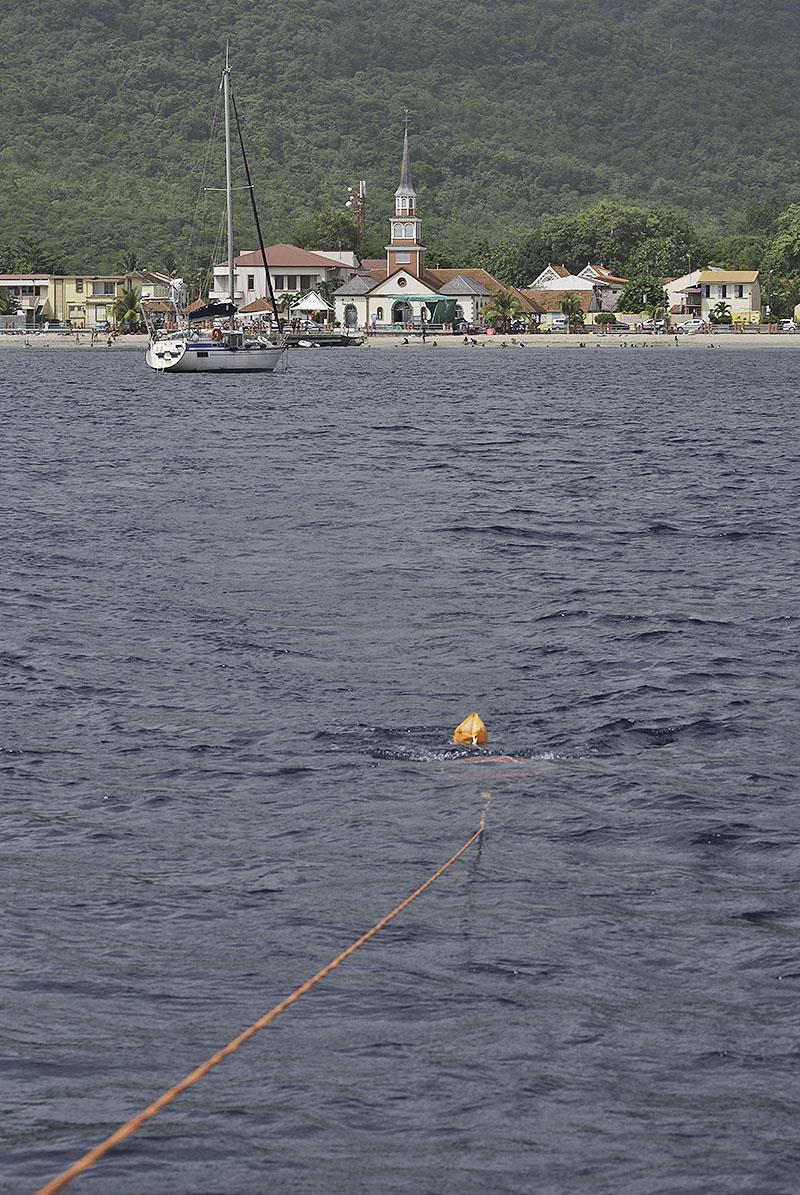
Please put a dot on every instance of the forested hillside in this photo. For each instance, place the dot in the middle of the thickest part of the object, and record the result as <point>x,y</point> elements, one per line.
<point>517,111</point>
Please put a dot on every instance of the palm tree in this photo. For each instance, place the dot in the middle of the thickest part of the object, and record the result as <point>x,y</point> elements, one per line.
<point>170,265</point>
<point>285,302</point>
<point>656,312</point>
<point>571,308</point>
<point>326,288</point>
<point>721,313</point>
<point>126,309</point>
<point>9,304</point>
<point>503,309</point>
<point>128,264</point>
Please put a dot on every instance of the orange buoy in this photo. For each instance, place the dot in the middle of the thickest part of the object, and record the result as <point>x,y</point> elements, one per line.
<point>471,730</point>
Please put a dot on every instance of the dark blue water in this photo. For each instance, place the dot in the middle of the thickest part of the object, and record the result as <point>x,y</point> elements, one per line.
<point>240,618</point>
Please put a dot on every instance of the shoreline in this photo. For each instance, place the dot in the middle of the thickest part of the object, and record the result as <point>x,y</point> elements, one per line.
<point>588,341</point>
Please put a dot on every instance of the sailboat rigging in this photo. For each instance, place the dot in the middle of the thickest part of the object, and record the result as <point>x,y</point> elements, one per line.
<point>225,348</point>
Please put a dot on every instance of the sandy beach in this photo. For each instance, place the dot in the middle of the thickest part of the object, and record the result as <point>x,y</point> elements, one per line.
<point>543,342</point>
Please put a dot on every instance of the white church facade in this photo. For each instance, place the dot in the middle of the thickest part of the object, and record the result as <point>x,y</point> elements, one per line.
<point>405,294</point>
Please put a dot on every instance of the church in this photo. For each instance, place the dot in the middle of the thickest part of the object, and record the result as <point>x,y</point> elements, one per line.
<point>404,293</point>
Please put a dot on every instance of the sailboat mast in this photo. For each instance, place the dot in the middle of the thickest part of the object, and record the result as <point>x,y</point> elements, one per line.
<point>226,92</point>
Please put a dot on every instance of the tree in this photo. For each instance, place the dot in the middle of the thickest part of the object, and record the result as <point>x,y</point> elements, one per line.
<point>329,229</point>
<point>327,289</point>
<point>503,310</point>
<point>128,264</point>
<point>170,264</point>
<point>721,313</point>
<point>571,308</point>
<point>30,255</point>
<point>783,254</point>
<point>126,309</point>
<point>9,304</point>
<point>641,292</point>
<point>605,319</point>
<point>656,312</point>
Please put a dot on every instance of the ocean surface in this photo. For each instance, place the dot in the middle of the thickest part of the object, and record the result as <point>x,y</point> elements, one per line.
<point>239,619</point>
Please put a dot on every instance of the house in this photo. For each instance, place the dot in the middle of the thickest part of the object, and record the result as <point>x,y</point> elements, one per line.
<point>683,293</point>
<point>550,276</point>
<point>401,292</point>
<point>294,271</point>
<point>547,304</point>
<point>608,285</point>
<point>740,290</point>
<point>64,298</point>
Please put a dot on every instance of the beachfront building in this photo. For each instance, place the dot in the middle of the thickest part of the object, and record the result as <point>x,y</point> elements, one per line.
<point>683,293</point>
<point>607,285</point>
<point>547,304</point>
<point>294,272</point>
<point>401,292</point>
<point>77,300</point>
<point>740,290</point>
<point>598,279</point>
<point>550,276</point>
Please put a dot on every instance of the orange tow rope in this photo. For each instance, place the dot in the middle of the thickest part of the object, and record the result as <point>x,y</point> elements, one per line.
<point>127,1130</point>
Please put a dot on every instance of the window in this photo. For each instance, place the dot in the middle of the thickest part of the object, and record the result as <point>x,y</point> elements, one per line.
<point>397,231</point>
<point>739,291</point>
<point>78,286</point>
<point>379,314</point>
<point>305,282</point>
<point>723,291</point>
<point>291,282</point>
<point>707,290</point>
<point>279,282</point>
<point>403,258</point>
<point>251,281</point>
<point>409,232</point>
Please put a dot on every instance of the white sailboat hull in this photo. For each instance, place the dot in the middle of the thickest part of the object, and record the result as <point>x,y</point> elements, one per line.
<point>208,356</point>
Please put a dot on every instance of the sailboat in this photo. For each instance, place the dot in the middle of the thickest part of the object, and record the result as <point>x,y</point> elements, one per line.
<point>226,348</point>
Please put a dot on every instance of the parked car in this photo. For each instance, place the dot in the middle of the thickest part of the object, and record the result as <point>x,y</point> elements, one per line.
<point>692,325</point>
<point>648,325</point>
<point>787,325</point>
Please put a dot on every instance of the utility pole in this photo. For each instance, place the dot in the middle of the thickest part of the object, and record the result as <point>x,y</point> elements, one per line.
<point>356,204</point>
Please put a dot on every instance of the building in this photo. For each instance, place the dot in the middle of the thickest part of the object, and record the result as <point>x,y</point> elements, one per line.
<point>740,290</point>
<point>64,298</point>
<point>607,285</point>
<point>683,294</point>
<point>547,304</point>
<point>401,292</point>
<point>294,271</point>
<point>598,279</point>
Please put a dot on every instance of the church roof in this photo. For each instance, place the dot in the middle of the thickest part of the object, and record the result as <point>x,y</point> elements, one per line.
<point>357,285</point>
<point>406,186</point>
<point>463,285</point>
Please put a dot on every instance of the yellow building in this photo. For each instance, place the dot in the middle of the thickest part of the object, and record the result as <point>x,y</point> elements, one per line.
<point>64,298</point>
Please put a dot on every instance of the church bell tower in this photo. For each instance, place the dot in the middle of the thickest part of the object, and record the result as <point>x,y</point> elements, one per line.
<point>405,250</point>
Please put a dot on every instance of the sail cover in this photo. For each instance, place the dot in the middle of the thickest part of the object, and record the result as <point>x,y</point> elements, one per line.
<point>213,311</point>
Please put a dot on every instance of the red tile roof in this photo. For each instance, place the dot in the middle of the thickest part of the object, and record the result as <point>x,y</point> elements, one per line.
<point>284,257</point>
<point>550,300</point>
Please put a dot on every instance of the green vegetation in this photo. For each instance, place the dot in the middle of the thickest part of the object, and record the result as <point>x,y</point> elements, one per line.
<point>571,308</point>
<point>502,311</point>
<point>126,310</point>
<point>651,134</point>
<point>8,302</point>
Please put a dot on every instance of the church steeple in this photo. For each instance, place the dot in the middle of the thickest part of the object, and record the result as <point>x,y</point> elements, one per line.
<point>405,250</point>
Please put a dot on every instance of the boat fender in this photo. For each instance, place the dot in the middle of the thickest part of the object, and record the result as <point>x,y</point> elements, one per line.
<point>471,731</point>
